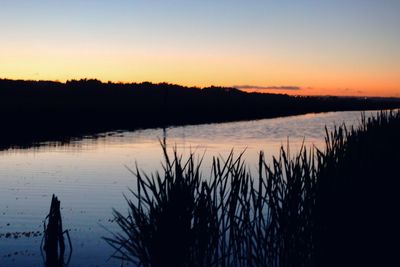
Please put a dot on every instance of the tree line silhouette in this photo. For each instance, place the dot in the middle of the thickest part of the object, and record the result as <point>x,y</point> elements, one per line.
<point>35,111</point>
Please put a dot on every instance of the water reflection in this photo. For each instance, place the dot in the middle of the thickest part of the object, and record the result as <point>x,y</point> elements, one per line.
<point>90,177</point>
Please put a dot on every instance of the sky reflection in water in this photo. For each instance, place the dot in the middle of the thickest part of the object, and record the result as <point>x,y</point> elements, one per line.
<point>90,176</point>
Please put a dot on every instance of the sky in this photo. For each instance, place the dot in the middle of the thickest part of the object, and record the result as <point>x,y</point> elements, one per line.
<point>302,47</point>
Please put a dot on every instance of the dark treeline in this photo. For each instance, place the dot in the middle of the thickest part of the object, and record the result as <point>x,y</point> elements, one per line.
<point>34,111</point>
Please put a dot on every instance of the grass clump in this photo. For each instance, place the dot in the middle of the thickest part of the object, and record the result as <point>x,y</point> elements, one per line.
<point>182,219</point>
<point>318,208</point>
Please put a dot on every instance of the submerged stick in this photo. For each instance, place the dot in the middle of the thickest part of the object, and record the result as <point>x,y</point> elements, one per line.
<point>54,244</point>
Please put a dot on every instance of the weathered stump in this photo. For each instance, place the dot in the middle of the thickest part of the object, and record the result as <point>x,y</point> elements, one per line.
<point>54,245</point>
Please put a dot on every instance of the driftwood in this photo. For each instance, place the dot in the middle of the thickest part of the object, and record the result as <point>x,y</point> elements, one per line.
<point>53,237</point>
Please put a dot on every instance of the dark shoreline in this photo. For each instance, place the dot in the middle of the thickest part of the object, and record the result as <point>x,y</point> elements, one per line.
<point>33,112</point>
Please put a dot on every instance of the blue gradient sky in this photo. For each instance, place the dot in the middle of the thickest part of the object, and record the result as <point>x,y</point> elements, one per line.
<point>325,47</point>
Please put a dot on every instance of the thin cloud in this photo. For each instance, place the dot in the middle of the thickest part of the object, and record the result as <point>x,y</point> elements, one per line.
<point>294,88</point>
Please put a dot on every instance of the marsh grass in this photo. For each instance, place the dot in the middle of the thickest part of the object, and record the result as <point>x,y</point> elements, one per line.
<point>356,221</point>
<point>298,211</point>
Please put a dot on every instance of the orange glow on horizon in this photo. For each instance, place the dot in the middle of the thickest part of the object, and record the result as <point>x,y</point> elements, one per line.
<point>325,48</point>
<point>200,69</point>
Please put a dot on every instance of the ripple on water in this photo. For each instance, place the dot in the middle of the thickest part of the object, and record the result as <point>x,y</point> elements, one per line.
<point>89,177</point>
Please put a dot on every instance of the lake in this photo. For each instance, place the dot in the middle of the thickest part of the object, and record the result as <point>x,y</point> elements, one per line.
<point>91,175</point>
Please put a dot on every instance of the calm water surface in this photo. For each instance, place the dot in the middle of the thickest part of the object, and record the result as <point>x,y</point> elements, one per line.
<point>90,177</point>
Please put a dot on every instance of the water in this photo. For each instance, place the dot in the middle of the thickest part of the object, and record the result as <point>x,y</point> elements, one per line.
<point>90,177</point>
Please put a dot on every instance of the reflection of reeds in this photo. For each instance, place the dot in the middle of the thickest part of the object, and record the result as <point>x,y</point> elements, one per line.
<point>297,212</point>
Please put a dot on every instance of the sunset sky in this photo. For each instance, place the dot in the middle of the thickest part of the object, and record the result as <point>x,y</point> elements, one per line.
<point>313,47</point>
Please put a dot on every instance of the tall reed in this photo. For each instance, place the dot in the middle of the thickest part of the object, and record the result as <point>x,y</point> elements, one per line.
<point>298,211</point>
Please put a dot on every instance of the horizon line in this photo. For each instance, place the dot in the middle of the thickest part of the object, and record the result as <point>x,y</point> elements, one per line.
<point>242,88</point>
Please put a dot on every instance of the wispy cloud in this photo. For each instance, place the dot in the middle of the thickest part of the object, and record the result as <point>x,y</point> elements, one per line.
<point>294,88</point>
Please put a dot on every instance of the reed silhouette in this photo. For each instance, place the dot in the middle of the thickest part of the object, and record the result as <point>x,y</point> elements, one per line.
<point>331,207</point>
<point>35,111</point>
<point>358,182</point>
